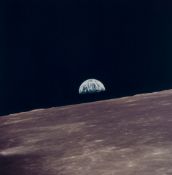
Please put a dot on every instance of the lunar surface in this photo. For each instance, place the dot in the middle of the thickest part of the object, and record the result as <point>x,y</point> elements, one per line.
<point>126,136</point>
<point>91,86</point>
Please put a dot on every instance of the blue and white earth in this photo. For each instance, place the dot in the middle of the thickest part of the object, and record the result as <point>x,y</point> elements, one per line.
<point>91,86</point>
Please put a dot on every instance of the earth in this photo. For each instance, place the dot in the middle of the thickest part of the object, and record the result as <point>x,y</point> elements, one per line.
<point>125,136</point>
<point>91,86</point>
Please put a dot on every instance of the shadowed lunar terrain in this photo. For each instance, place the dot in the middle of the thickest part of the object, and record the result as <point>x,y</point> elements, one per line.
<point>126,136</point>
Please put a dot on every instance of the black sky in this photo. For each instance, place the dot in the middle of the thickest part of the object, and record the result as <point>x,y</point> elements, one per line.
<point>49,47</point>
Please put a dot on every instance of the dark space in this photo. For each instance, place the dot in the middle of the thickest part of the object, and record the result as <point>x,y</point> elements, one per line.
<point>48,48</point>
